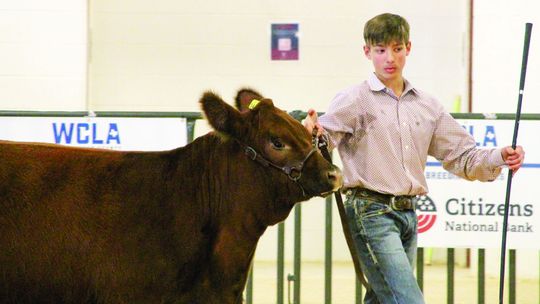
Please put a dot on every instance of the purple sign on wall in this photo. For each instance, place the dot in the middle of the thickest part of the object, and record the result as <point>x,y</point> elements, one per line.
<point>285,41</point>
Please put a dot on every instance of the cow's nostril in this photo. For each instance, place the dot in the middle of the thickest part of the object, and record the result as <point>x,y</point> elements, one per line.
<point>332,175</point>
<point>335,177</point>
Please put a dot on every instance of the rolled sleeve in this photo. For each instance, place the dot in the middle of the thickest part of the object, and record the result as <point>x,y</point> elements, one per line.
<point>496,159</point>
<point>457,150</point>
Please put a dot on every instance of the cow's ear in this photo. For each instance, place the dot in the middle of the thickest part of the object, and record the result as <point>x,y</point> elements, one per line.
<point>257,104</point>
<point>221,116</point>
<point>245,96</point>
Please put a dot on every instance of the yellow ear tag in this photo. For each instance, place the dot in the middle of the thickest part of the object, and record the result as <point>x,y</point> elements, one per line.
<point>253,104</point>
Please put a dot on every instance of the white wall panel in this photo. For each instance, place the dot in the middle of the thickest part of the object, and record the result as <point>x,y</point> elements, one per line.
<point>43,47</point>
<point>499,29</point>
<point>224,46</point>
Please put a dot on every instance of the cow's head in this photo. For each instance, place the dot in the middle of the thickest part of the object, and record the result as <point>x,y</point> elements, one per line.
<point>276,141</point>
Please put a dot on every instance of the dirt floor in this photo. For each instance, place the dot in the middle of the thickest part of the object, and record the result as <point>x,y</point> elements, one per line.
<point>343,285</point>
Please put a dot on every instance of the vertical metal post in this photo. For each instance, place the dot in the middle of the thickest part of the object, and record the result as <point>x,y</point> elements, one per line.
<point>512,277</point>
<point>280,262</point>
<point>249,288</point>
<point>190,126</point>
<point>297,252</point>
<point>450,276</point>
<point>420,268</point>
<point>481,276</point>
<point>328,252</point>
<point>358,294</point>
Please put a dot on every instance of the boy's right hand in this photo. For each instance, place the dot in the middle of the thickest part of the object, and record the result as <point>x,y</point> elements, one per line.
<point>311,122</point>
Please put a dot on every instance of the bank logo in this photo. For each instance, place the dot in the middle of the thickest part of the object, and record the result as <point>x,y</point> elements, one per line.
<point>426,213</point>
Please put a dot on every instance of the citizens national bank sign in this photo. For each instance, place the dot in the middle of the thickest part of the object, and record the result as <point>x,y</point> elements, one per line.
<point>459,213</point>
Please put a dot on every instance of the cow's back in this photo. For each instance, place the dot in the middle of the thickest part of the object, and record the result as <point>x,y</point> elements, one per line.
<point>99,224</point>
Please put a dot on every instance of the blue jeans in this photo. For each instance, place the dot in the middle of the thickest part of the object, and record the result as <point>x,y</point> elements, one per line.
<point>386,243</point>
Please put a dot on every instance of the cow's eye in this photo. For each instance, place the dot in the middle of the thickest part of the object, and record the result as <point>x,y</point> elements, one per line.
<point>276,143</point>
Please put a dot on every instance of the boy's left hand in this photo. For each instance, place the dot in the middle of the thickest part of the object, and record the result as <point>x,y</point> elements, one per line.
<point>513,157</point>
<point>311,123</point>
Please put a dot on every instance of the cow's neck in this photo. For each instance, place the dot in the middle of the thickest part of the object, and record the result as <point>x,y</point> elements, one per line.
<point>245,199</point>
<point>264,191</point>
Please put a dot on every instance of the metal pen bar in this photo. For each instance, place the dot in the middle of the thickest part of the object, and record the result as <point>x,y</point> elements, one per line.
<point>358,294</point>
<point>297,252</point>
<point>420,268</point>
<point>280,262</point>
<point>328,252</point>
<point>450,276</point>
<point>512,277</point>
<point>249,287</point>
<point>481,276</point>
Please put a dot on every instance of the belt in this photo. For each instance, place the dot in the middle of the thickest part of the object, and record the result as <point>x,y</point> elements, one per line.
<point>398,203</point>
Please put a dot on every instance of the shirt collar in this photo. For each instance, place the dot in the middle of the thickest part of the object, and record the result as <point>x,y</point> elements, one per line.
<point>375,84</point>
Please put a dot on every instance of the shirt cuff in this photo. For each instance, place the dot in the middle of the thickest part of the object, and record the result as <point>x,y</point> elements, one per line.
<point>496,158</point>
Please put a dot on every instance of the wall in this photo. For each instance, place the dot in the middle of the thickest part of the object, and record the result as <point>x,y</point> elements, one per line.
<point>162,55</point>
<point>43,49</point>
<point>499,29</point>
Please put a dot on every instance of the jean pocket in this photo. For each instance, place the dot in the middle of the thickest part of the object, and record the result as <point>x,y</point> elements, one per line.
<point>366,208</point>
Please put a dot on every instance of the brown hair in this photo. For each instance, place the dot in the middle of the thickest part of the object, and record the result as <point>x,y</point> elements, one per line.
<point>385,28</point>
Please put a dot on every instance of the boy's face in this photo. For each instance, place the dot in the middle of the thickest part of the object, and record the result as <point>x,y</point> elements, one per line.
<point>388,60</point>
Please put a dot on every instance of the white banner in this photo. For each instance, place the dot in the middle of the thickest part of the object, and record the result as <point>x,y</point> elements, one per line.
<point>141,134</point>
<point>459,213</point>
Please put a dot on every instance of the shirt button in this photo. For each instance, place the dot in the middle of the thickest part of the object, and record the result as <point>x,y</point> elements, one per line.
<point>407,147</point>
<point>404,123</point>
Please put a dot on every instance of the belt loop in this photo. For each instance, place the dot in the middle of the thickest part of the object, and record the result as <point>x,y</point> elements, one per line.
<point>351,195</point>
<point>353,191</point>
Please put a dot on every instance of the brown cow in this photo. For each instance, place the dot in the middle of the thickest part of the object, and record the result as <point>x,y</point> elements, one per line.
<point>180,226</point>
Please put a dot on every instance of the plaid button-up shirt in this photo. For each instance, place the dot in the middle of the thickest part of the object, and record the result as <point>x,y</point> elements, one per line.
<point>384,141</point>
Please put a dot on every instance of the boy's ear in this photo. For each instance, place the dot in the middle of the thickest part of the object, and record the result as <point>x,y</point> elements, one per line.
<point>408,47</point>
<point>221,116</point>
<point>367,52</point>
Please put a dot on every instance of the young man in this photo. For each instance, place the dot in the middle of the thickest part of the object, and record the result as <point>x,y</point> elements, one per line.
<point>384,129</point>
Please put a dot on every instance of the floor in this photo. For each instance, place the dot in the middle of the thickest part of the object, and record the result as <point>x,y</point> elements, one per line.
<point>343,285</point>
